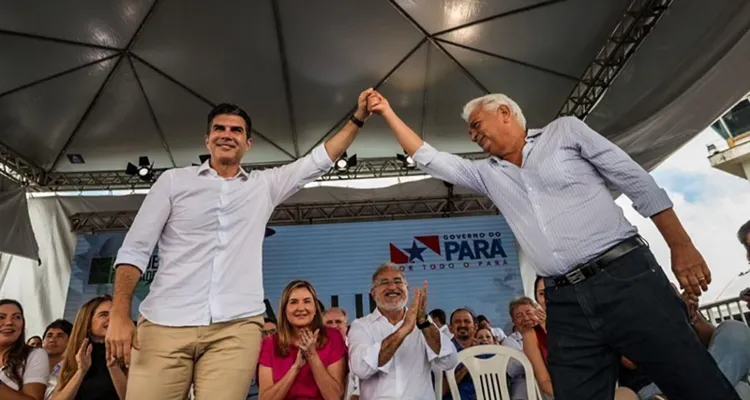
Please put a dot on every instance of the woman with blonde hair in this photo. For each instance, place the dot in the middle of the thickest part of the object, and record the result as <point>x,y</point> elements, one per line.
<point>304,358</point>
<point>86,373</point>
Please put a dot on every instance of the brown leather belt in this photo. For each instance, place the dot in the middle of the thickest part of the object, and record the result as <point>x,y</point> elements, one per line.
<point>584,271</point>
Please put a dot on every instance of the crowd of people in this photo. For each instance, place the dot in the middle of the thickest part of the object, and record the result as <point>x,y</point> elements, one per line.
<point>313,352</point>
<point>605,322</point>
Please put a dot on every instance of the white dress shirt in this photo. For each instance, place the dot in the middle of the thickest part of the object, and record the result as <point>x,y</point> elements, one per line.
<point>407,375</point>
<point>352,386</point>
<point>210,232</point>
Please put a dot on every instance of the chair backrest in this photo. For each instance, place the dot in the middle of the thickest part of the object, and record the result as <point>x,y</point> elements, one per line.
<point>437,373</point>
<point>489,374</point>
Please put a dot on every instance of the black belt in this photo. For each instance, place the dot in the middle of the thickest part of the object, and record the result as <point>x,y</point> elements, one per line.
<point>584,271</point>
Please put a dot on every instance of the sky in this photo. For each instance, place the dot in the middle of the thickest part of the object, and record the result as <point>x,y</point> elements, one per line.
<point>711,205</point>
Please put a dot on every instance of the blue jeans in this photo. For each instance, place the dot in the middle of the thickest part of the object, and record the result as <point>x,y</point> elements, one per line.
<point>730,347</point>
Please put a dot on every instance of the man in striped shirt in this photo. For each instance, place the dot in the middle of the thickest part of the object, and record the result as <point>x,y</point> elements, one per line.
<point>606,295</point>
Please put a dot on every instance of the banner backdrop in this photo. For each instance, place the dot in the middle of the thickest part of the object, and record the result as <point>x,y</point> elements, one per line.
<point>467,262</point>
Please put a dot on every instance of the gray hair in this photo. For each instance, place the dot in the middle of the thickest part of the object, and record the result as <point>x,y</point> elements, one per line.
<point>341,310</point>
<point>389,266</point>
<point>492,103</point>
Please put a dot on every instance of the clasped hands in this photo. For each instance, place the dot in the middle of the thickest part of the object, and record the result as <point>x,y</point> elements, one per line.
<point>417,312</point>
<point>307,344</point>
<point>369,102</point>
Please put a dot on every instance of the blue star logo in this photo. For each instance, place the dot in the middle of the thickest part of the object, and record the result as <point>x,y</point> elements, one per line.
<point>415,252</point>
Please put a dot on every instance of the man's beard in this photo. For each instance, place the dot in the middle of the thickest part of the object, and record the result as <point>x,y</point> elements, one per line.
<point>392,307</point>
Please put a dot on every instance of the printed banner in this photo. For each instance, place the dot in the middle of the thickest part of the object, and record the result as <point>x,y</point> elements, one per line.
<point>468,262</point>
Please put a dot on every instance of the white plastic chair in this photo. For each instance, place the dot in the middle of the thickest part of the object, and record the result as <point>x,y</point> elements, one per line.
<point>490,374</point>
<point>437,373</point>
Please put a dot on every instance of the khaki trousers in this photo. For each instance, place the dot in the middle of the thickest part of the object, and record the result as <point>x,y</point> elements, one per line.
<point>219,359</point>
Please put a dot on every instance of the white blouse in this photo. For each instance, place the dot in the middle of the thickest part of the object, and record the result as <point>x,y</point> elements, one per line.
<point>37,370</point>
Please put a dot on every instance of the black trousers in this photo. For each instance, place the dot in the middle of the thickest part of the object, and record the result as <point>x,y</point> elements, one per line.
<point>627,309</point>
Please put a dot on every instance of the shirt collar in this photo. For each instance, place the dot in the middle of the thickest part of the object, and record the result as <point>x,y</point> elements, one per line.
<point>377,315</point>
<point>206,168</point>
<point>532,133</point>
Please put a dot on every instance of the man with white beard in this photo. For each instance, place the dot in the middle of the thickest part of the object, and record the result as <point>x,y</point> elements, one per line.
<point>392,359</point>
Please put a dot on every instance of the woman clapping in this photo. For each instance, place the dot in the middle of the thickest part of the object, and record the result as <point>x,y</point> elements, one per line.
<point>304,358</point>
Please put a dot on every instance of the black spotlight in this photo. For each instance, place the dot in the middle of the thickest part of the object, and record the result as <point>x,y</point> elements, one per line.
<point>406,161</point>
<point>270,232</point>
<point>203,158</point>
<point>144,170</point>
<point>344,163</point>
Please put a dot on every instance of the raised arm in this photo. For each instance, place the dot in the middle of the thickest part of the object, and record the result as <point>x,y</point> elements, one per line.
<point>444,166</point>
<point>288,179</point>
<point>132,259</point>
<point>439,347</point>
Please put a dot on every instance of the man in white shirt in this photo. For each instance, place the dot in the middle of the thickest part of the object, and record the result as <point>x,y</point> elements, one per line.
<point>438,318</point>
<point>392,349</point>
<point>201,321</point>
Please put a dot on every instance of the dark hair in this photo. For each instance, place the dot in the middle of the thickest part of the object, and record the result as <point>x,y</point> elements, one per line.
<point>15,359</point>
<point>742,236</point>
<point>438,315</point>
<point>61,324</point>
<point>536,283</point>
<point>230,109</point>
<point>267,320</point>
<point>473,317</point>
<point>481,318</point>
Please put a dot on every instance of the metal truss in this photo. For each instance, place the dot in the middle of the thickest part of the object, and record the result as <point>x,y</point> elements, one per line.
<point>18,169</point>
<point>119,180</point>
<point>636,23</point>
<point>321,213</point>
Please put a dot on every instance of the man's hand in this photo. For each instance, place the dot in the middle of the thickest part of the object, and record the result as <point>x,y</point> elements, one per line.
<point>378,104</point>
<point>690,269</point>
<point>362,112</point>
<point>121,336</point>
<point>410,319</point>
<point>422,311</point>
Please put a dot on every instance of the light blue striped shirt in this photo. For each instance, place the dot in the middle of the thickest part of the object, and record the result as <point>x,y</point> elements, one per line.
<point>557,203</point>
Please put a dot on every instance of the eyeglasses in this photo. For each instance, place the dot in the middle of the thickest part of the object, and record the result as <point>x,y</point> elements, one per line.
<point>388,282</point>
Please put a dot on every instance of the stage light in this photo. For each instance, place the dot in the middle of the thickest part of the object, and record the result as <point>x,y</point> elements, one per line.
<point>406,161</point>
<point>203,157</point>
<point>344,163</point>
<point>144,170</point>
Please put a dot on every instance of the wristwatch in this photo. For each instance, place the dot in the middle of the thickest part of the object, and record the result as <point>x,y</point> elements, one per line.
<point>424,325</point>
<point>357,121</point>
